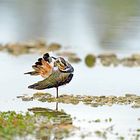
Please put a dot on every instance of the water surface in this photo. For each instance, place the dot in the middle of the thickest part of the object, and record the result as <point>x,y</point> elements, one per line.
<point>85,26</point>
<point>90,24</point>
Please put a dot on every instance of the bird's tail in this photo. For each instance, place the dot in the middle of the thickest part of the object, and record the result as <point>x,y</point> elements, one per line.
<point>32,73</point>
<point>40,85</point>
<point>34,86</point>
<point>42,67</point>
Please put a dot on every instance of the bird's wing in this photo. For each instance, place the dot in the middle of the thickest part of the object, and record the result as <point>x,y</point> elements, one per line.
<point>42,67</point>
<point>54,80</point>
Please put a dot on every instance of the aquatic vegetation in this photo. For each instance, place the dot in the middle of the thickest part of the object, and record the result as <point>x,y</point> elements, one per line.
<point>42,123</point>
<point>37,46</point>
<point>45,123</point>
<point>55,115</point>
<point>101,134</point>
<point>93,101</point>
<point>74,59</point>
<point>54,47</point>
<point>90,60</point>
<point>108,59</point>
<point>40,46</point>
<point>25,98</point>
<point>20,48</point>
<point>66,53</point>
<point>13,124</point>
<point>41,94</point>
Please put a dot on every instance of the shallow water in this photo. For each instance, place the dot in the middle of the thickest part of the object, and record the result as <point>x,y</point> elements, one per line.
<point>119,81</point>
<point>83,26</point>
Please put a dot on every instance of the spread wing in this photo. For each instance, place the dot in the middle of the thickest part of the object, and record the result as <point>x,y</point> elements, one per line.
<point>43,67</point>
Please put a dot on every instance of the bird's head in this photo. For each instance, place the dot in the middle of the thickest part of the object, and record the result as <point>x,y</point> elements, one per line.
<point>63,65</point>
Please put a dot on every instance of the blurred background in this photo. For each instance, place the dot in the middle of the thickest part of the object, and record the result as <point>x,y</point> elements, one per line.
<point>91,24</point>
<point>102,38</point>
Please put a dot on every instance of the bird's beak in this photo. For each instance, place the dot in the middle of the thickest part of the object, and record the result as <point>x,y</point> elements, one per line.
<point>71,69</point>
<point>53,58</point>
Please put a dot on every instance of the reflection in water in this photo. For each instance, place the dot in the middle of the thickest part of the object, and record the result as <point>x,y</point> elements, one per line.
<point>58,126</point>
<point>77,23</point>
<point>43,123</point>
<point>56,106</point>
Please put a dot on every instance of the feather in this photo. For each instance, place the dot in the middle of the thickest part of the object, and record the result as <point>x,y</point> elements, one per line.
<point>54,80</point>
<point>42,67</point>
<point>32,73</point>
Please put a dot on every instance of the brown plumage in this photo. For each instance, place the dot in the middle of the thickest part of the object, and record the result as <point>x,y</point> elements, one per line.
<point>42,67</point>
<point>56,71</point>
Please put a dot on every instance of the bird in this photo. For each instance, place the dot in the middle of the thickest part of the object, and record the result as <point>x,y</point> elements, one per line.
<point>54,71</point>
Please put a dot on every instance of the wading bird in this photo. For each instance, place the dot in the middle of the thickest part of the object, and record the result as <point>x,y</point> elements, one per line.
<point>55,71</point>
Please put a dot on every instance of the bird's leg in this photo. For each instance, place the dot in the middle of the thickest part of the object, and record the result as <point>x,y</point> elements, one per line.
<point>56,92</point>
<point>56,106</point>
